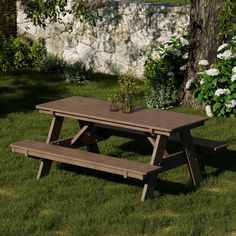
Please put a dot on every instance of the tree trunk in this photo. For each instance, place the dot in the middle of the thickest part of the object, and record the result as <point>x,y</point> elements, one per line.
<point>8,18</point>
<point>203,39</point>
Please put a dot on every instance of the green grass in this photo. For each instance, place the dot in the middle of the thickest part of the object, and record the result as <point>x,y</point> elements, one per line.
<point>182,2</point>
<point>75,201</point>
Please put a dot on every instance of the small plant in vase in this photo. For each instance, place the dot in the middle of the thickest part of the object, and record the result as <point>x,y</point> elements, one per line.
<point>127,83</point>
<point>114,99</point>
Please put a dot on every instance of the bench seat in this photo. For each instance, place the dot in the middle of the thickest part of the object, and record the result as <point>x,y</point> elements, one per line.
<point>118,166</point>
<point>203,146</point>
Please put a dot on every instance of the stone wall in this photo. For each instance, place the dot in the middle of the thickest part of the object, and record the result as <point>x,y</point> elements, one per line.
<point>125,34</point>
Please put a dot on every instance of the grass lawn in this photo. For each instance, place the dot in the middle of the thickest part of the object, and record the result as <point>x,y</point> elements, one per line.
<point>183,2</point>
<point>76,201</point>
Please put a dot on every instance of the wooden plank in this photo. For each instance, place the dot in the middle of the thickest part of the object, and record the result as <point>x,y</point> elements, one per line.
<point>149,188</point>
<point>157,156</point>
<point>119,166</point>
<point>194,167</point>
<point>64,142</point>
<point>44,168</point>
<point>91,147</point>
<point>145,119</point>
<point>203,146</point>
<point>158,150</point>
<point>55,128</point>
<point>53,135</point>
<point>79,134</point>
<point>172,161</point>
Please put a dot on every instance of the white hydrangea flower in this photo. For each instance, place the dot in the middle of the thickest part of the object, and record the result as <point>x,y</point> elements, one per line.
<point>203,63</point>
<point>208,111</point>
<point>231,104</point>
<point>221,91</point>
<point>184,41</point>
<point>233,77</point>
<point>234,70</point>
<point>155,54</point>
<point>177,52</point>
<point>167,46</point>
<point>213,72</point>
<point>185,56</point>
<point>170,74</point>
<point>201,81</point>
<point>225,55</point>
<point>224,45</point>
<point>183,68</point>
<point>188,84</point>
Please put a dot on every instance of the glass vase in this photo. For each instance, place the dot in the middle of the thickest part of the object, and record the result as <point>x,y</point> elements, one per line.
<point>128,103</point>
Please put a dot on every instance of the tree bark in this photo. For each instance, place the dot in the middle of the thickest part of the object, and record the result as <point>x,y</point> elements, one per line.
<point>203,40</point>
<point>8,18</point>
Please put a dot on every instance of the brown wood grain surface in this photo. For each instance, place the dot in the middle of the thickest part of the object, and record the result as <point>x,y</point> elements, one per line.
<point>152,120</point>
<point>84,159</point>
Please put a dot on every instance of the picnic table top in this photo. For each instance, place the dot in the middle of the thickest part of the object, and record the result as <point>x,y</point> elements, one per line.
<point>98,111</point>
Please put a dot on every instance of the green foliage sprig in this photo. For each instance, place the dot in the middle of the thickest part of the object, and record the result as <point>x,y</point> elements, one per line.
<point>41,12</point>
<point>127,82</point>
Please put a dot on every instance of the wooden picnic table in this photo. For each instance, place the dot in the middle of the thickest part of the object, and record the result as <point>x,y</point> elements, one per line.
<point>97,123</point>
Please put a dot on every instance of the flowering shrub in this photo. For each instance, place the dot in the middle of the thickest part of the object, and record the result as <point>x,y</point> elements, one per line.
<point>217,87</point>
<point>165,73</point>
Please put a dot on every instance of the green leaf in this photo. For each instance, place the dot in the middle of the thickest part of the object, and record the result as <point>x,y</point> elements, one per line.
<point>216,107</point>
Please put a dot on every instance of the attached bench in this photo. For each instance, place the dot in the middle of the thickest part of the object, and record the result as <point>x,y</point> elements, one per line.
<point>125,168</point>
<point>203,146</point>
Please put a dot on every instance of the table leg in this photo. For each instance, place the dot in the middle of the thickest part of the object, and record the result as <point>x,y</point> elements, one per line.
<point>149,188</point>
<point>193,165</point>
<point>159,147</point>
<point>80,134</point>
<point>90,147</point>
<point>53,135</point>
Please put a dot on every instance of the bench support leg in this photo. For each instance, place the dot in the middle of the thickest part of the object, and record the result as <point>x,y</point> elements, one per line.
<point>159,147</point>
<point>91,147</point>
<point>193,165</point>
<point>44,168</point>
<point>53,135</point>
<point>149,188</point>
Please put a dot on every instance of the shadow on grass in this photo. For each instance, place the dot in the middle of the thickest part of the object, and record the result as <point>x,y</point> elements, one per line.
<point>104,80</point>
<point>21,91</point>
<point>225,160</point>
<point>222,162</point>
<point>163,186</point>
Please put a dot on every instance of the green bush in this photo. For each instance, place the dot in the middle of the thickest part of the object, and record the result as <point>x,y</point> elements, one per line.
<point>76,73</point>
<point>217,87</point>
<point>50,63</point>
<point>15,55</point>
<point>161,96</point>
<point>165,73</point>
